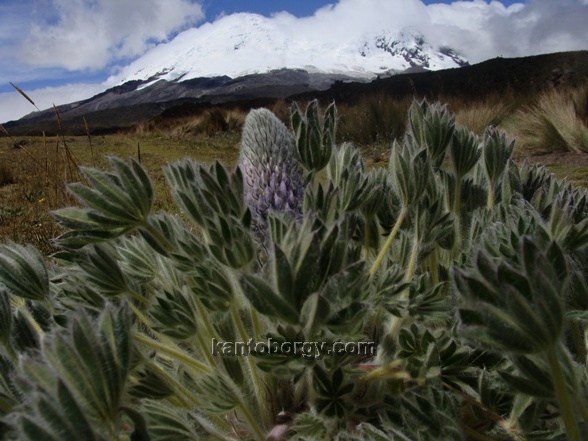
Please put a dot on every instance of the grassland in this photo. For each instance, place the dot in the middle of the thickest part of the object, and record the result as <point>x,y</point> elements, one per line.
<point>551,128</point>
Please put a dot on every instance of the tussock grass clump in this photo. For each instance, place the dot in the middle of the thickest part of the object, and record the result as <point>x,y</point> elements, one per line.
<point>208,123</point>
<point>580,99</point>
<point>479,115</point>
<point>556,122</point>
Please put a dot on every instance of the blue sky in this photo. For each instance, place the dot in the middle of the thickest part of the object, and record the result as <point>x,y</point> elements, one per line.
<point>65,50</point>
<point>299,8</point>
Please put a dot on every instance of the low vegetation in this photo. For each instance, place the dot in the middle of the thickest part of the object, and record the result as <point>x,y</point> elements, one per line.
<point>464,271</point>
<point>550,128</point>
<point>557,121</point>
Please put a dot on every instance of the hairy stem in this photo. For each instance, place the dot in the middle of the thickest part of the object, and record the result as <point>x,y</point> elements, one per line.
<point>253,372</point>
<point>389,241</point>
<point>457,214</point>
<point>562,395</point>
<point>397,322</point>
<point>173,352</point>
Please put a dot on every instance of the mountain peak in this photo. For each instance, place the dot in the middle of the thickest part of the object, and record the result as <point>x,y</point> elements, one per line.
<point>245,43</point>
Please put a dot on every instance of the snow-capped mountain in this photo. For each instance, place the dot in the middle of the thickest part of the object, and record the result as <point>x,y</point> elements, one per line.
<point>243,58</point>
<point>242,44</point>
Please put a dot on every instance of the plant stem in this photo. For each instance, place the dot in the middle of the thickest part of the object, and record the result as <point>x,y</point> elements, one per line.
<point>173,352</point>
<point>412,263</point>
<point>434,264</point>
<point>490,200</point>
<point>457,214</point>
<point>163,242</point>
<point>256,381</point>
<point>562,395</point>
<point>204,317</point>
<point>31,320</point>
<point>389,241</point>
<point>252,421</point>
<point>577,334</point>
<point>397,322</point>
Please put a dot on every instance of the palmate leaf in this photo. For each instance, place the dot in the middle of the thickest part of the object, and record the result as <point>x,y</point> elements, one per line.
<point>114,203</point>
<point>263,298</point>
<point>346,171</point>
<point>56,418</point>
<point>315,135</point>
<point>5,316</point>
<point>175,314</point>
<point>102,270</point>
<point>23,272</point>
<point>430,126</point>
<point>513,306</point>
<point>93,359</point>
<point>496,152</point>
<point>212,285</point>
<point>464,152</point>
<point>169,423</point>
<point>9,393</point>
<point>410,173</point>
<point>430,413</point>
<point>213,198</point>
<point>137,259</point>
<point>331,392</point>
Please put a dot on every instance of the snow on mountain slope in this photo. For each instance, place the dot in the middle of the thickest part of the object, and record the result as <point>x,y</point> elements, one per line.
<point>241,44</point>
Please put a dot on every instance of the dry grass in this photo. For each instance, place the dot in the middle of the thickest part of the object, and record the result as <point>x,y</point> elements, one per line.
<point>373,120</point>
<point>479,115</point>
<point>210,123</point>
<point>33,177</point>
<point>556,122</point>
<point>38,175</point>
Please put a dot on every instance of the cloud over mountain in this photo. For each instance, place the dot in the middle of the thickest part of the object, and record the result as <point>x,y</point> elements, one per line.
<point>64,37</point>
<point>81,34</point>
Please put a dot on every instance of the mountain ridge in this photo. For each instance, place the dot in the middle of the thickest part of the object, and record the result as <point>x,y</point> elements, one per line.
<point>134,104</point>
<point>243,43</point>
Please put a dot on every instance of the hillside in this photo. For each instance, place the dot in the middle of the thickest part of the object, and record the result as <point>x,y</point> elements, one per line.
<point>124,106</point>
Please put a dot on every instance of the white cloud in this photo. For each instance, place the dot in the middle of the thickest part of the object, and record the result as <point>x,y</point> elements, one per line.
<point>14,106</point>
<point>483,30</point>
<point>478,29</point>
<point>90,34</point>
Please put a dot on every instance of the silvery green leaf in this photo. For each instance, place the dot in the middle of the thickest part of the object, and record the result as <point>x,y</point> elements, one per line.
<point>263,298</point>
<point>175,314</point>
<point>58,417</point>
<point>315,135</point>
<point>5,315</point>
<point>464,152</point>
<point>114,203</point>
<point>346,172</point>
<point>93,359</point>
<point>115,200</point>
<point>514,306</point>
<point>430,126</point>
<point>101,268</point>
<point>496,152</point>
<point>212,285</point>
<point>23,272</point>
<point>166,422</point>
<point>410,174</point>
<point>138,259</point>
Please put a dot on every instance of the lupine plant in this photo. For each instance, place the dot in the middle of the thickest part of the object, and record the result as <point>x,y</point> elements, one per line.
<point>466,272</point>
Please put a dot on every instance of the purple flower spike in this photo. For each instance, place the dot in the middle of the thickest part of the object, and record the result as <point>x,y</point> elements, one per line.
<point>271,173</point>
